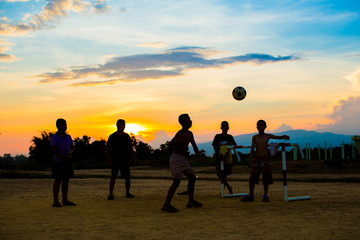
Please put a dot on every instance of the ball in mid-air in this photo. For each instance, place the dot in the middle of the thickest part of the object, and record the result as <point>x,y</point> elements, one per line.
<point>239,93</point>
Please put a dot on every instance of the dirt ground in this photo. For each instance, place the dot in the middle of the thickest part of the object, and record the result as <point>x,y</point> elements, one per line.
<point>332,213</point>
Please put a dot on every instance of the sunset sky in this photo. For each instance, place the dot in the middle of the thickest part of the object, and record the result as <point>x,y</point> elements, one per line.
<point>93,62</point>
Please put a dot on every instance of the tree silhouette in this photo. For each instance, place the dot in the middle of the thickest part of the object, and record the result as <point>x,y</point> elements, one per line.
<point>40,151</point>
<point>90,155</point>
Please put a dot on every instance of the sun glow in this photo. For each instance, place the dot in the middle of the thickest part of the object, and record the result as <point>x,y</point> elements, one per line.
<point>134,128</point>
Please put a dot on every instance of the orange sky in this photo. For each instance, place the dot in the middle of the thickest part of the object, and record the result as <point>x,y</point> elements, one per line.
<point>96,62</point>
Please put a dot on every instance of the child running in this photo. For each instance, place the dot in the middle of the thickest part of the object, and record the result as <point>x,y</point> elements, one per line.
<point>179,165</point>
<point>259,160</point>
<point>221,139</point>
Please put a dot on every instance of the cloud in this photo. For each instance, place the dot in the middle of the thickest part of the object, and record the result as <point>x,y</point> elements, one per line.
<point>284,127</point>
<point>171,63</point>
<point>50,15</point>
<point>354,78</point>
<point>5,57</point>
<point>160,138</point>
<point>345,116</point>
<point>153,45</point>
<point>353,55</point>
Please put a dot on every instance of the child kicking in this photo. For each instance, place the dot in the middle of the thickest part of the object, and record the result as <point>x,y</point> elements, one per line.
<point>259,160</point>
<point>179,165</point>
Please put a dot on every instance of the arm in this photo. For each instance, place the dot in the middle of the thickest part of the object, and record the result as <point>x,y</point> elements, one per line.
<point>177,139</point>
<point>133,161</point>
<point>196,150</point>
<point>108,156</point>
<point>67,156</point>
<point>107,151</point>
<point>252,150</point>
<point>285,137</point>
<point>232,142</point>
<point>216,144</point>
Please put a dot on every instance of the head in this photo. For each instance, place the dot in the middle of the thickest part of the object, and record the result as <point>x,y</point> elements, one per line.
<point>185,121</point>
<point>120,124</point>
<point>224,126</point>
<point>261,125</point>
<point>61,125</point>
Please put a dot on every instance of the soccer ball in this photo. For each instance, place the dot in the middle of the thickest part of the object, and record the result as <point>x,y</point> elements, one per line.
<point>239,93</point>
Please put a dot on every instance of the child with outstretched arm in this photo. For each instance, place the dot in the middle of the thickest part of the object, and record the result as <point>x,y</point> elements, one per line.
<point>259,161</point>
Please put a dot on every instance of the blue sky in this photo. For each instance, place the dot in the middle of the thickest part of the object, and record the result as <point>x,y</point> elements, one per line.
<point>93,62</point>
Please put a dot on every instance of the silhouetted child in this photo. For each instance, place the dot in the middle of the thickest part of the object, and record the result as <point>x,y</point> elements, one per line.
<point>222,139</point>
<point>119,151</point>
<point>179,165</point>
<point>62,146</point>
<point>259,160</point>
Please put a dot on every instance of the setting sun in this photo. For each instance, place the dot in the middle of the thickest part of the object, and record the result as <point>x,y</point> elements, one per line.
<point>134,128</point>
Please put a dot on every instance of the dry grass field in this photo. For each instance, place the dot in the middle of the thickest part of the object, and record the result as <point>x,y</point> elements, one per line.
<point>332,213</point>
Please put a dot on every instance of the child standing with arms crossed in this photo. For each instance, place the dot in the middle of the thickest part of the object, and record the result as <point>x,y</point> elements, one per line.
<point>179,165</point>
<point>259,160</point>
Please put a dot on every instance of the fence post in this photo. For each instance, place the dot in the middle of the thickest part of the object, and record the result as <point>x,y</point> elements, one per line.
<point>353,151</point>
<point>295,152</point>
<point>319,151</point>
<point>343,150</point>
<point>330,152</point>
<point>325,150</point>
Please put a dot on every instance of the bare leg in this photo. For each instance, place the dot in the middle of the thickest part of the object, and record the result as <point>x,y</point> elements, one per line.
<point>127,185</point>
<point>56,189</point>
<point>226,183</point>
<point>111,186</point>
<point>252,187</point>
<point>191,187</point>
<point>64,190</point>
<point>171,192</point>
<point>266,189</point>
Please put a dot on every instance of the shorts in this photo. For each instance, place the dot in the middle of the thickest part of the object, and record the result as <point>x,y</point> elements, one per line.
<point>262,165</point>
<point>179,166</point>
<point>62,171</point>
<point>124,171</point>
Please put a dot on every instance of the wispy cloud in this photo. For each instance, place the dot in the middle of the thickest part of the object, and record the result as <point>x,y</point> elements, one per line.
<point>153,45</point>
<point>5,57</point>
<point>353,55</point>
<point>51,13</point>
<point>173,62</point>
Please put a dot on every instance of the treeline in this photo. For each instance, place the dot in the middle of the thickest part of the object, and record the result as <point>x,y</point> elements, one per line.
<point>91,155</point>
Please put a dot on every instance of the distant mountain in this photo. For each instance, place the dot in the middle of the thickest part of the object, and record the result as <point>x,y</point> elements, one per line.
<point>301,137</point>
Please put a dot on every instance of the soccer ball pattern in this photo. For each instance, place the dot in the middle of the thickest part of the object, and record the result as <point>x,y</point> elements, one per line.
<point>239,93</point>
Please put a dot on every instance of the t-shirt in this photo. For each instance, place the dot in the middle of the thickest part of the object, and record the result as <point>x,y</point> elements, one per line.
<point>62,144</point>
<point>221,139</point>
<point>119,147</point>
